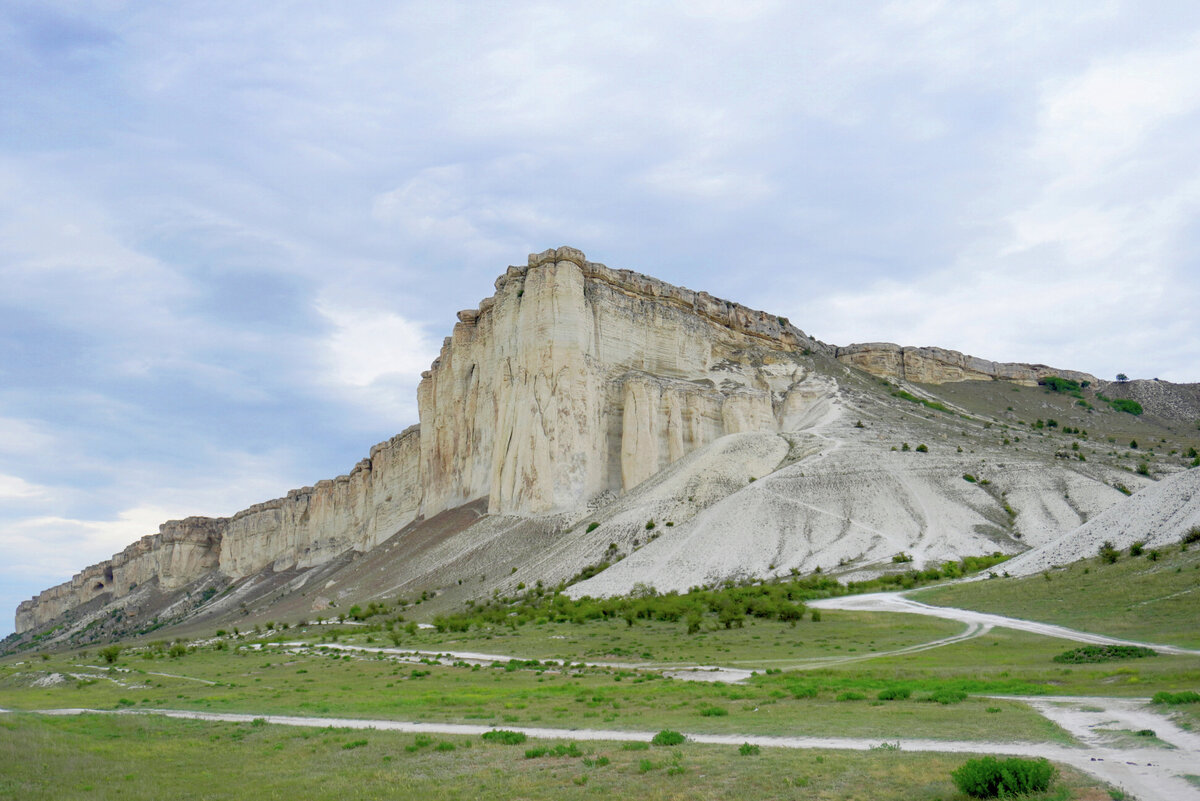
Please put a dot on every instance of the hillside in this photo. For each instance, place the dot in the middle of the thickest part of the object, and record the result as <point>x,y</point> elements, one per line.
<point>591,419</point>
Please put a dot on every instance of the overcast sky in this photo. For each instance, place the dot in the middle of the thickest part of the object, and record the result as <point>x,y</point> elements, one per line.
<point>233,234</point>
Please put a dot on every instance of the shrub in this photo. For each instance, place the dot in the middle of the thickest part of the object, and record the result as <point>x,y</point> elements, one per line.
<point>989,777</point>
<point>1108,554</point>
<point>592,526</point>
<point>1060,384</point>
<point>948,697</point>
<point>969,478</point>
<point>850,696</point>
<point>1137,548</point>
<point>177,650</point>
<point>714,711</point>
<point>1174,699</point>
<point>894,694</point>
<point>354,744</point>
<point>922,448</point>
<point>650,524</point>
<point>560,750</point>
<point>746,749</point>
<point>1103,653</point>
<point>1193,535</point>
<point>504,737</point>
<point>668,737</point>
<point>1126,405</point>
<point>109,653</point>
<point>1143,469</point>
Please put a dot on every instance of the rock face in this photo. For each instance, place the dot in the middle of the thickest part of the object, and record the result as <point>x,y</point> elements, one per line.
<point>939,366</point>
<point>575,379</point>
<point>572,381</point>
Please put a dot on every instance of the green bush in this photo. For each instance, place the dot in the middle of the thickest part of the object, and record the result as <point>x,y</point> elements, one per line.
<point>504,736</point>
<point>1193,535</point>
<point>560,750</point>
<point>948,697</point>
<point>668,737</point>
<point>714,711</point>
<point>850,696</point>
<point>1137,548</point>
<point>1060,384</point>
<point>746,749</point>
<point>1103,653</point>
<point>1108,554</point>
<point>894,694</point>
<point>1174,699</point>
<point>988,777</point>
<point>592,526</point>
<point>1126,405</point>
<point>109,653</point>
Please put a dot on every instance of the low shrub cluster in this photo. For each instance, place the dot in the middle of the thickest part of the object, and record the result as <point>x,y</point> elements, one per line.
<point>560,750</point>
<point>668,737</point>
<point>504,736</point>
<point>1175,699</point>
<point>988,777</point>
<point>1103,653</point>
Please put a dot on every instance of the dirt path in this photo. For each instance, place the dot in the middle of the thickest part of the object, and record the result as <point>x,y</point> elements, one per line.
<point>1151,774</point>
<point>896,602</point>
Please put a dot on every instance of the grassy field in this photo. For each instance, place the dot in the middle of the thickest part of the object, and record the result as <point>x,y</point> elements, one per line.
<point>105,757</point>
<point>831,699</point>
<point>799,688</point>
<point>331,685</point>
<point>1134,598</point>
<point>759,644</point>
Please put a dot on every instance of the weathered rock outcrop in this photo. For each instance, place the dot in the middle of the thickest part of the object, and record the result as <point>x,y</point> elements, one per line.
<point>939,366</point>
<point>571,381</point>
<point>575,379</point>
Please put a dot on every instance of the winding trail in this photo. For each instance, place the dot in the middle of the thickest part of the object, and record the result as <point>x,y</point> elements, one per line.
<point>1151,774</point>
<point>896,602</point>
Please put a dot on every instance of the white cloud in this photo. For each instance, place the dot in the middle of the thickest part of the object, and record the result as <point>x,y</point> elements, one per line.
<point>24,437</point>
<point>366,345</point>
<point>63,546</point>
<point>14,488</point>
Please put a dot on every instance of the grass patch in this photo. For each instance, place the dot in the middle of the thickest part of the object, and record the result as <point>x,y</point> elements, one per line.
<point>1137,599</point>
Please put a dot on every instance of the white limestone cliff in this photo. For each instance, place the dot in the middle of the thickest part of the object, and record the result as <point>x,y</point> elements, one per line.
<point>573,380</point>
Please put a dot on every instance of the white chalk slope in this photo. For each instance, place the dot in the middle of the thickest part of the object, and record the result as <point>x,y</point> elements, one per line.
<point>1157,515</point>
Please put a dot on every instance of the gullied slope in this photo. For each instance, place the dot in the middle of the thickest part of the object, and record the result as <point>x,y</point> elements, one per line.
<point>1158,515</point>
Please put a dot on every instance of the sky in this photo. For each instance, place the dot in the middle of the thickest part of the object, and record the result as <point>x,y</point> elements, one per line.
<point>233,234</point>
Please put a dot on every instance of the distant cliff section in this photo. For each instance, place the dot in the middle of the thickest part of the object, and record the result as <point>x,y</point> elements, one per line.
<point>573,380</point>
<point>940,366</point>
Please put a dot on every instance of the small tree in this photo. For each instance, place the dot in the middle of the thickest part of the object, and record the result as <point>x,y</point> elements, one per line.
<point>1122,378</point>
<point>109,653</point>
